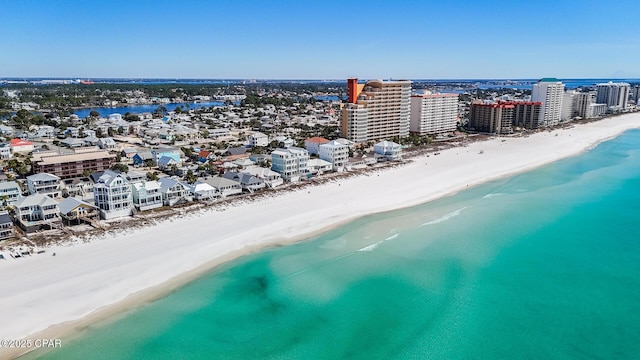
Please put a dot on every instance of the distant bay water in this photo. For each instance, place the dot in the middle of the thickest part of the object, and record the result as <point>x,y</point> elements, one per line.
<point>542,265</point>
<point>139,109</point>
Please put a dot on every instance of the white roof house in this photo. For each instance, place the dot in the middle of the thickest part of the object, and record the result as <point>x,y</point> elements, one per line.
<point>146,195</point>
<point>37,211</point>
<point>258,139</point>
<point>43,183</point>
<point>203,191</point>
<point>336,153</point>
<point>112,195</point>
<point>9,192</point>
<point>319,166</point>
<point>390,150</point>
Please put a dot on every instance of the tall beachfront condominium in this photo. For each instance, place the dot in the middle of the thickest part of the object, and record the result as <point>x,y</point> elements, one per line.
<point>526,114</point>
<point>550,92</point>
<point>495,118</point>
<point>376,110</point>
<point>615,95</point>
<point>433,114</point>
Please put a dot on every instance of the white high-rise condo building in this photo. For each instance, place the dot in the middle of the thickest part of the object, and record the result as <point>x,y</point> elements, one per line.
<point>376,110</point>
<point>433,114</point>
<point>615,95</point>
<point>550,92</point>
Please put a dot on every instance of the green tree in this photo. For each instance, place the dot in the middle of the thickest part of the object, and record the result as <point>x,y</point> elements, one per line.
<point>151,176</point>
<point>190,177</point>
<point>120,167</point>
<point>94,114</point>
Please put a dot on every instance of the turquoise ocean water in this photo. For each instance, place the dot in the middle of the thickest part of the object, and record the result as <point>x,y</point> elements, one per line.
<point>542,265</point>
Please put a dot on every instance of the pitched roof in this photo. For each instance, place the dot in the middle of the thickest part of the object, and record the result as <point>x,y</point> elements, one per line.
<point>70,203</point>
<point>317,139</point>
<point>167,182</point>
<point>35,199</point>
<point>9,185</point>
<point>5,218</point>
<point>42,177</point>
<point>20,142</point>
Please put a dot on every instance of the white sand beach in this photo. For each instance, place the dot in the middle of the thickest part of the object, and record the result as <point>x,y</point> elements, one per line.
<point>90,280</point>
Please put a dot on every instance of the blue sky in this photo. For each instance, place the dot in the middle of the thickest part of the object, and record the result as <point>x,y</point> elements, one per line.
<point>330,39</point>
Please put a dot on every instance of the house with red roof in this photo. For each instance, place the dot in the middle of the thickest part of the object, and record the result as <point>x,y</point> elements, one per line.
<point>21,146</point>
<point>313,144</point>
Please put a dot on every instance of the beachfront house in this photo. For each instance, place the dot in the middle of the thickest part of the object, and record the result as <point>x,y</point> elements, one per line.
<point>224,187</point>
<point>80,187</point>
<point>247,181</point>
<point>6,226</point>
<point>112,195</point>
<point>43,183</point>
<point>271,178</point>
<point>75,211</point>
<point>173,191</point>
<point>9,193</point>
<point>335,153</point>
<point>290,163</point>
<point>146,195</point>
<point>390,150</point>
<point>37,212</point>
<point>318,166</point>
<point>203,191</point>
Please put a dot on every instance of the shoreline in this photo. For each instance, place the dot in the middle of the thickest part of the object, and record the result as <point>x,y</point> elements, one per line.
<point>36,285</point>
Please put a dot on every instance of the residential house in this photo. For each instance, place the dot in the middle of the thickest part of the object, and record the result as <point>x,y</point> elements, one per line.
<point>286,141</point>
<point>356,163</point>
<point>271,178</point>
<point>72,142</point>
<point>21,146</point>
<point>243,163</point>
<point>318,166</point>
<point>290,163</point>
<point>335,153</point>
<point>9,192</point>
<point>171,152</point>
<point>135,176</point>
<point>5,151</point>
<point>112,195</point>
<point>258,139</point>
<point>37,212</point>
<point>78,187</point>
<point>43,183</point>
<point>166,162</point>
<point>206,155</point>
<point>142,158</point>
<point>6,226</point>
<point>6,131</point>
<point>173,191</point>
<point>202,191</point>
<point>313,144</point>
<point>106,143</point>
<point>129,152</point>
<point>225,187</point>
<point>75,211</point>
<point>247,181</point>
<point>146,195</point>
<point>389,149</point>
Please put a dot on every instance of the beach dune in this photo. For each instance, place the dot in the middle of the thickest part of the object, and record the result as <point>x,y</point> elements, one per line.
<point>57,294</point>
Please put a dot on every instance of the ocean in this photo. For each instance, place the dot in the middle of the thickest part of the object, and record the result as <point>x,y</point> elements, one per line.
<point>541,265</point>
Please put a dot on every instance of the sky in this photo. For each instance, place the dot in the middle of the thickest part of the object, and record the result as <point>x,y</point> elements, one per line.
<point>331,39</point>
